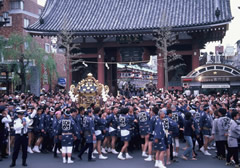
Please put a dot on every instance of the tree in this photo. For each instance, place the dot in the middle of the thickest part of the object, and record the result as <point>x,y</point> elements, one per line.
<point>24,52</point>
<point>2,44</point>
<point>51,70</point>
<point>66,40</point>
<point>165,38</point>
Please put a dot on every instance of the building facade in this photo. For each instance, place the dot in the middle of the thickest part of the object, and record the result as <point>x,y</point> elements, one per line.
<point>213,78</point>
<point>23,13</point>
<point>237,58</point>
<point>135,75</point>
<point>122,31</point>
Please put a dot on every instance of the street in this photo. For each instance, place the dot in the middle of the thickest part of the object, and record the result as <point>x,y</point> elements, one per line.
<point>47,161</point>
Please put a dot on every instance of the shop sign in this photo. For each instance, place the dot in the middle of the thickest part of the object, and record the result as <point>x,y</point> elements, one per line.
<point>215,79</point>
<point>216,86</point>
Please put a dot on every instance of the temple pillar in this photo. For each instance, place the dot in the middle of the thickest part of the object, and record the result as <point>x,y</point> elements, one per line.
<point>160,69</point>
<point>101,65</point>
<point>146,54</point>
<point>195,56</point>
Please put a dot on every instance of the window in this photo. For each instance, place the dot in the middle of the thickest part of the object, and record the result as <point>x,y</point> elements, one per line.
<point>228,69</point>
<point>10,22</point>
<point>202,70</point>
<point>47,47</point>
<point>26,23</point>
<point>235,72</point>
<point>219,67</point>
<point>39,11</point>
<point>210,68</point>
<point>16,4</point>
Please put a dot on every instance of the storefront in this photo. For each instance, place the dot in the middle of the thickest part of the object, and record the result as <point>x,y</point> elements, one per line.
<point>213,78</point>
<point>6,78</point>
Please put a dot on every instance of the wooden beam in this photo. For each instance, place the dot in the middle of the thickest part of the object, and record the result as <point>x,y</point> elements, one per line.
<point>85,56</point>
<point>189,52</point>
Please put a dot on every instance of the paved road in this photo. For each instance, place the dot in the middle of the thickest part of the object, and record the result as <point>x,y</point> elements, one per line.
<point>47,161</point>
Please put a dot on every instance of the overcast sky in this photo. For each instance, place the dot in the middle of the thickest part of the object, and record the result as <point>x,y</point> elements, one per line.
<point>232,35</point>
<point>42,2</point>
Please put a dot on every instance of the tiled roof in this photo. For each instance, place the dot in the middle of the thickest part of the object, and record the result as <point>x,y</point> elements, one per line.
<point>98,16</point>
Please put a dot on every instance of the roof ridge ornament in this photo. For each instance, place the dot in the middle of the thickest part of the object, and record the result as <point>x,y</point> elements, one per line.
<point>41,20</point>
<point>217,13</point>
<point>217,9</point>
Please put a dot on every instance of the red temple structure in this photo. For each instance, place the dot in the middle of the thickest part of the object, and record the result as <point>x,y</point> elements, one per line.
<point>123,30</point>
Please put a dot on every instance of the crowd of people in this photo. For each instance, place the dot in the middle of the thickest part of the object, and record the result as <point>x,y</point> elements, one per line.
<point>153,122</point>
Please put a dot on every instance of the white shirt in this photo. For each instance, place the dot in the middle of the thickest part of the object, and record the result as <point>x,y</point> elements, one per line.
<point>7,120</point>
<point>18,124</point>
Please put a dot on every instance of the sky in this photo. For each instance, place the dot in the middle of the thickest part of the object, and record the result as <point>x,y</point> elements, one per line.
<point>232,35</point>
<point>41,2</point>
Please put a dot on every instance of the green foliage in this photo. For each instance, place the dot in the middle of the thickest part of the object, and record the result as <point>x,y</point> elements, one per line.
<point>50,64</point>
<point>2,43</point>
<point>24,52</point>
<point>23,47</point>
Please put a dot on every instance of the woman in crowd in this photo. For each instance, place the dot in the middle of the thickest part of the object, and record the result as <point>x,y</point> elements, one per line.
<point>188,131</point>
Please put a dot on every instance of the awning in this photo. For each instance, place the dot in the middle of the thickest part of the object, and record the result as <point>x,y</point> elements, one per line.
<point>216,86</point>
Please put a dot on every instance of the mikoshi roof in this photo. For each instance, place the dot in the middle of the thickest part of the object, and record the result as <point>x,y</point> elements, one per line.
<point>130,16</point>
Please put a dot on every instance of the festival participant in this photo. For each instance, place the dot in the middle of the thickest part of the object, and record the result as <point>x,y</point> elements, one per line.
<point>125,119</point>
<point>233,136</point>
<point>21,137</point>
<point>188,131</point>
<point>215,133</point>
<point>144,128</point>
<point>106,147</point>
<point>30,129</point>
<point>80,117</point>
<point>99,127</point>
<point>135,141</point>
<point>206,127</point>
<point>177,118</point>
<point>38,129</point>
<point>89,135</point>
<point>172,129</point>
<point>50,131</point>
<point>113,124</point>
<point>197,116</point>
<point>159,140</point>
<point>13,115</point>
<point>222,127</point>
<point>68,132</point>
<point>45,128</point>
<point>5,119</point>
<point>77,121</point>
<point>153,117</point>
<point>57,142</point>
<point>196,132</point>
